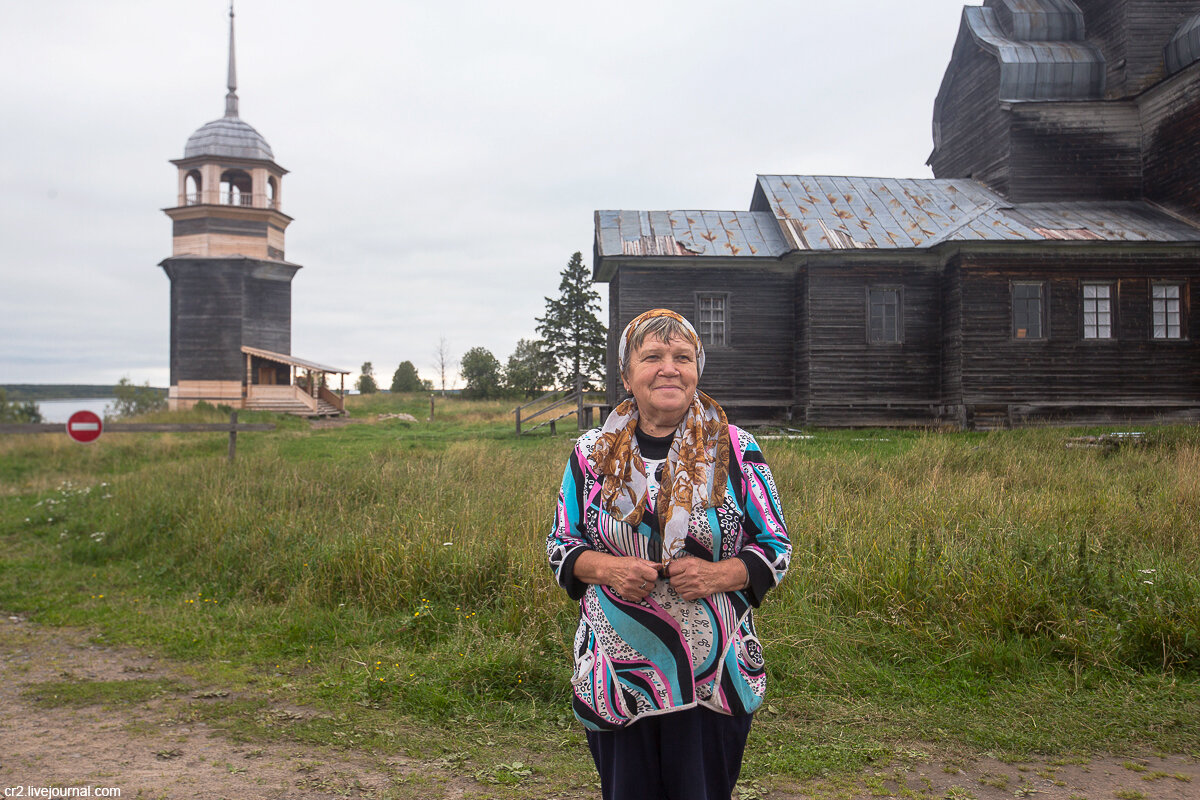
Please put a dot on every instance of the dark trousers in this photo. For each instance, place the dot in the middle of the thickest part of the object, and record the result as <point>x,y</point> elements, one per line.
<point>685,755</point>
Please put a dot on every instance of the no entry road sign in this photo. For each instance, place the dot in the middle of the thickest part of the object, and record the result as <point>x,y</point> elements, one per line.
<point>84,426</point>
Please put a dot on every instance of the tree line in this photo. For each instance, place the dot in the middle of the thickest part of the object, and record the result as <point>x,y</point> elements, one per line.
<point>568,349</point>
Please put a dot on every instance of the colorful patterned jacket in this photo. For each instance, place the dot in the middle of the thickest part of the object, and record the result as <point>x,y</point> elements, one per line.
<point>663,654</point>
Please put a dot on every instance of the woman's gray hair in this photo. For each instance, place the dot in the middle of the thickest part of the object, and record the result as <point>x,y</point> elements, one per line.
<point>658,324</point>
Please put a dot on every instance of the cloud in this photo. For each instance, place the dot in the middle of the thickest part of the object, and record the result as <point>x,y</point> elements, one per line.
<point>445,160</point>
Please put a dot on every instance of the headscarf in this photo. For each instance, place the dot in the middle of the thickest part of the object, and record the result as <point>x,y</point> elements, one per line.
<point>696,469</point>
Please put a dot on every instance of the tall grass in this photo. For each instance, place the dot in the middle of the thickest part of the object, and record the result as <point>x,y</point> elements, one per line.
<point>921,561</point>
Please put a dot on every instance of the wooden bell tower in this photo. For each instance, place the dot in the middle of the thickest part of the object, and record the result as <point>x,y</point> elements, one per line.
<point>230,285</point>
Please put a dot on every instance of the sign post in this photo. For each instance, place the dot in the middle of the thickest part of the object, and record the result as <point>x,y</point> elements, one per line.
<point>85,426</point>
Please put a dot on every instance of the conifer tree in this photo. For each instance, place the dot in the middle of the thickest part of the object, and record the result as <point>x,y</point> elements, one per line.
<point>406,379</point>
<point>573,336</point>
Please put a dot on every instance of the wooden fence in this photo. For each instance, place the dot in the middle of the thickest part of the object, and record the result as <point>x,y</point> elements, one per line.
<point>555,406</point>
<point>232,428</point>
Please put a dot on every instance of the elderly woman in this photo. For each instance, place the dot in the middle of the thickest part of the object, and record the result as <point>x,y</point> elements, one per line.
<point>668,530</point>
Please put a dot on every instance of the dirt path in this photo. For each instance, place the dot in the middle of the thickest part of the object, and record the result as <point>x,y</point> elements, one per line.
<point>149,746</point>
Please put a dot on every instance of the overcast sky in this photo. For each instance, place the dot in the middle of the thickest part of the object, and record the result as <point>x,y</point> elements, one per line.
<point>445,158</point>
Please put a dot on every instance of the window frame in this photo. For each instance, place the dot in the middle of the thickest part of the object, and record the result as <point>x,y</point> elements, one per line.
<point>725,318</point>
<point>1181,310</point>
<point>899,291</point>
<point>1043,317</point>
<point>1112,311</point>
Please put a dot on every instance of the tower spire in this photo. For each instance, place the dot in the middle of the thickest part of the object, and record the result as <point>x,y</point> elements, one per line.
<point>231,99</point>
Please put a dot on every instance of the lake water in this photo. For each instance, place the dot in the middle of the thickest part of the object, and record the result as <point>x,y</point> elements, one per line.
<point>61,410</point>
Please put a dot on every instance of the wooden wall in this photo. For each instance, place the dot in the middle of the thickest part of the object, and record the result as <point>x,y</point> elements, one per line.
<point>1065,368</point>
<point>973,139</point>
<point>206,320</point>
<point>1171,130</point>
<point>614,391</point>
<point>1127,147</point>
<point>219,305</point>
<point>803,337</point>
<point>1132,34</point>
<point>952,342</point>
<point>852,381</point>
<point>1075,151</point>
<point>267,321</point>
<point>756,365</point>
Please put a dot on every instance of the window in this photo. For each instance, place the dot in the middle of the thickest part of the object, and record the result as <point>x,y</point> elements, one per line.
<point>710,313</point>
<point>1097,311</point>
<point>1166,311</point>
<point>235,188</point>
<point>1028,310</point>
<point>883,316</point>
<point>194,182</point>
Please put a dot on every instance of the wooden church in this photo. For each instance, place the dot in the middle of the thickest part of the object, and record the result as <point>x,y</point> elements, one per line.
<point>231,287</point>
<point>1046,274</point>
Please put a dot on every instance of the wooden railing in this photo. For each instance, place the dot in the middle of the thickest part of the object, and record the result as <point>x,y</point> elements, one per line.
<point>333,398</point>
<point>557,405</point>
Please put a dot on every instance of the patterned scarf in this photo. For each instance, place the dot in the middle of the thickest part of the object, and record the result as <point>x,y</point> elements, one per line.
<point>696,469</point>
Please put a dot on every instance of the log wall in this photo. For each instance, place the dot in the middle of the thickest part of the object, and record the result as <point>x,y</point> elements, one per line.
<point>755,367</point>
<point>1075,151</point>
<point>852,381</point>
<point>1171,128</point>
<point>1064,367</point>
<point>972,139</point>
<point>219,305</point>
<point>1132,34</point>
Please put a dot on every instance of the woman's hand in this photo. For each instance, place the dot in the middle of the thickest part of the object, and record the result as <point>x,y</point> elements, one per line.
<point>694,578</point>
<point>632,578</point>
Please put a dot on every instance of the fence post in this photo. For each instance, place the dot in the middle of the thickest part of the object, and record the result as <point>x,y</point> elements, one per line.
<point>517,411</point>
<point>431,408</point>
<point>232,435</point>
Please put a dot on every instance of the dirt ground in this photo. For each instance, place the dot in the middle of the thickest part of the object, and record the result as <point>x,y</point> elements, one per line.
<point>150,749</point>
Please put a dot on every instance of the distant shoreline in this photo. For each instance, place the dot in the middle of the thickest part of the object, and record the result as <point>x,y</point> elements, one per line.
<point>61,391</point>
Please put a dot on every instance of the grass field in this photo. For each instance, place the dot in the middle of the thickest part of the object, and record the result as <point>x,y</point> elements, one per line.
<point>996,593</point>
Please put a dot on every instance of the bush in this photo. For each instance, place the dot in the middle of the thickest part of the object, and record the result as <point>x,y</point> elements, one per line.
<point>481,371</point>
<point>133,400</point>
<point>13,411</point>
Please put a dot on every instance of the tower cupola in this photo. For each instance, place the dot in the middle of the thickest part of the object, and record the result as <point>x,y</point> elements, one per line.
<point>230,188</point>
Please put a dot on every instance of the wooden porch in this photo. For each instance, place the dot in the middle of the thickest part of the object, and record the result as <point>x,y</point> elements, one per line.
<point>289,385</point>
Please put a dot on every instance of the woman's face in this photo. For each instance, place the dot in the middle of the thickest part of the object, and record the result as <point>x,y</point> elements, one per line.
<point>662,377</point>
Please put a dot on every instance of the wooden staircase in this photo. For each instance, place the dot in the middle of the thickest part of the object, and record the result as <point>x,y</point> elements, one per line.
<point>295,402</point>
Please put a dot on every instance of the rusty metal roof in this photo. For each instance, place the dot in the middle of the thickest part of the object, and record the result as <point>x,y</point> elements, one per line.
<point>835,213</point>
<point>823,213</point>
<point>689,233</point>
<point>820,212</point>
